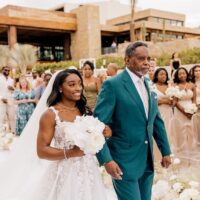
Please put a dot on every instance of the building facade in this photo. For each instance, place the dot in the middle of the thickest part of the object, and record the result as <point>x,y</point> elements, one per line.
<point>80,31</point>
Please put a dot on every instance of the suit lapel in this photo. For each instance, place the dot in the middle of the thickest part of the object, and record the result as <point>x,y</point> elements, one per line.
<point>130,87</point>
<point>149,96</point>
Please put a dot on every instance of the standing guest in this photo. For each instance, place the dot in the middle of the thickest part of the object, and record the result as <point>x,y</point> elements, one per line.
<point>150,73</point>
<point>40,90</point>
<point>164,102</point>
<point>126,104</point>
<point>152,62</point>
<point>25,100</point>
<point>91,84</point>
<point>36,81</point>
<point>195,78</point>
<point>181,127</point>
<point>175,62</point>
<point>111,71</point>
<point>7,108</point>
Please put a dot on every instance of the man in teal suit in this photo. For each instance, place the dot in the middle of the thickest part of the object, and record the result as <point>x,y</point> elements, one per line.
<point>127,105</point>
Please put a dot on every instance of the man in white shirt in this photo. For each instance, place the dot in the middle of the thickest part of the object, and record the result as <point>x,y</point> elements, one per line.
<point>7,107</point>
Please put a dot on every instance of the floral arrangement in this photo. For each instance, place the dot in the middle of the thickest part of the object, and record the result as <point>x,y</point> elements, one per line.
<point>5,138</point>
<point>176,183</point>
<point>174,91</point>
<point>86,133</point>
<point>190,108</point>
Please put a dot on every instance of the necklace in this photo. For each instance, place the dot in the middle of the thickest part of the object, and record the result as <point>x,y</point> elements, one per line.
<point>68,108</point>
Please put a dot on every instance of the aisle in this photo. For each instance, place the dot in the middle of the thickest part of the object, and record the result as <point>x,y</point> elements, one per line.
<point>180,182</point>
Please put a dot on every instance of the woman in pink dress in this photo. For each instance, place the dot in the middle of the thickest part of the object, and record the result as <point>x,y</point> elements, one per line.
<point>181,127</point>
<point>164,102</point>
<point>195,78</point>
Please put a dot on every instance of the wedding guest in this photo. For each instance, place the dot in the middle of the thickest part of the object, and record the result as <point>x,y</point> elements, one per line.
<point>7,107</point>
<point>175,62</point>
<point>25,100</point>
<point>40,90</point>
<point>181,128</point>
<point>160,80</point>
<point>195,78</point>
<point>150,73</point>
<point>164,102</point>
<point>91,84</point>
<point>111,71</point>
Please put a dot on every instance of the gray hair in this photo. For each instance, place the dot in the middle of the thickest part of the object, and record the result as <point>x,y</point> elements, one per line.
<point>130,50</point>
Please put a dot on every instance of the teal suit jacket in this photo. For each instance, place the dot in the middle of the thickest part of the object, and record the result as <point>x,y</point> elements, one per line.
<point>120,106</point>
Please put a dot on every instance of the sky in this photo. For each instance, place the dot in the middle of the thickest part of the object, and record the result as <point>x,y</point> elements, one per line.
<point>188,7</point>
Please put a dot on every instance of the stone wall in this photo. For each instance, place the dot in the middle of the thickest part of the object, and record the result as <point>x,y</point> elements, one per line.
<point>86,41</point>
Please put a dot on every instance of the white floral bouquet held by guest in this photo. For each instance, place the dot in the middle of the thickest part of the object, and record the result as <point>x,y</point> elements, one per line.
<point>190,108</point>
<point>87,134</point>
<point>174,91</point>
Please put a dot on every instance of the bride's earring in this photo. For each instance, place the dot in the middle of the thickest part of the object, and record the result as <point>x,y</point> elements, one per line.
<point>60,91</point>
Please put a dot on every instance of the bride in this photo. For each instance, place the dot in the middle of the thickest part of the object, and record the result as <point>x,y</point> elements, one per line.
<point>62,171</point>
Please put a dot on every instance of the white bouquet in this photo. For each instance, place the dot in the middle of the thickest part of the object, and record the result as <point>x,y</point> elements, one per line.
<point>174,91</point>
<point>86,133</point>
<point>190,108</point>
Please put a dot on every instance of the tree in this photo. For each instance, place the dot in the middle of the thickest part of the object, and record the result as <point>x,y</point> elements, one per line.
<point>132,24</point>
<point>23,57</point>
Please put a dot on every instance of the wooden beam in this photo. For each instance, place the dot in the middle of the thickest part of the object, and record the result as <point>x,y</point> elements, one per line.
<point>69,25</point>
<point>3,29</point>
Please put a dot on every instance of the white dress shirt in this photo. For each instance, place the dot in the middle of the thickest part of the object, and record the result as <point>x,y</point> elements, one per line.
<point>141,89</point>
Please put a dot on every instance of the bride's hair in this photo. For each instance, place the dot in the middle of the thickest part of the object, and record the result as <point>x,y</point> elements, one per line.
<point>55,95</point>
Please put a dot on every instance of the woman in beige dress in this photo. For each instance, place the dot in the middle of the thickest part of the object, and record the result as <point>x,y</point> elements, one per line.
<point>91,84</point>
<point>181,127</point>
<point>164,103</point>
<point>195,78</point>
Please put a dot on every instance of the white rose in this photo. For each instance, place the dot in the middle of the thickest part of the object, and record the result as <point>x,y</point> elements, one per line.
<point>190,194</point>
<point>178,187</point>
<point>173,177</point>
<point>160,189</point>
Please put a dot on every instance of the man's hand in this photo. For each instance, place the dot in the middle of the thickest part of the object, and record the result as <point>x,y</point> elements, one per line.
<point>166,161</point>
<point>4,100</point>
<point>113,169</point>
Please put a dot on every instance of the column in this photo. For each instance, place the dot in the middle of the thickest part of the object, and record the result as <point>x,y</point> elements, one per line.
<point>12,36</point>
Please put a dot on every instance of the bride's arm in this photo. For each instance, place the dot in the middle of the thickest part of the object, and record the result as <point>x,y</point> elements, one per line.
<point>45,136</point>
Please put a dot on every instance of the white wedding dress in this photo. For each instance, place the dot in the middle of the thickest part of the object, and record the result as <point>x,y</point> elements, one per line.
<point>26,177</point>
<point>69,179</point>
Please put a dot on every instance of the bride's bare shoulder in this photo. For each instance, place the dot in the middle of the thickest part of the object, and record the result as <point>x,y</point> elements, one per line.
<point>48,116</point>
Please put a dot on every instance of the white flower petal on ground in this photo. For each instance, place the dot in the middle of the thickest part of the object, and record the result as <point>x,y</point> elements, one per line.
<point>190,194</point>
<point>194,184</point>
<point>176,161</point>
